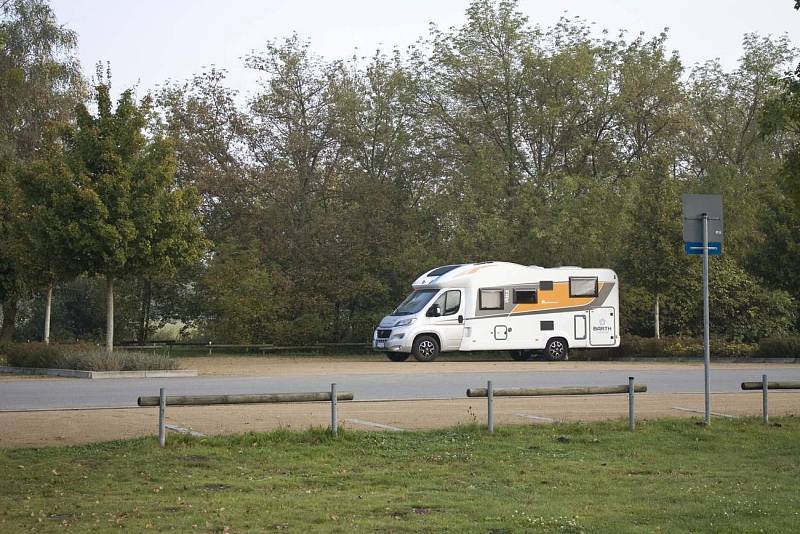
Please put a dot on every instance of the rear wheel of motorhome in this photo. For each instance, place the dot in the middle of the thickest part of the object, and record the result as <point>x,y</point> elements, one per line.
<point>426,348</point>
<point>556,350</point>
<point>398,356</point>
<point>520,355</point>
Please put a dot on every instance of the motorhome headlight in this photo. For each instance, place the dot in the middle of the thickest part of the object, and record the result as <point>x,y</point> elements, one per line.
<point>404,322</point>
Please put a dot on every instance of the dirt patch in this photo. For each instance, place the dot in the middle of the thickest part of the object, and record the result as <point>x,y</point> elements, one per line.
<point>37,429</point>
<point>281,366</point>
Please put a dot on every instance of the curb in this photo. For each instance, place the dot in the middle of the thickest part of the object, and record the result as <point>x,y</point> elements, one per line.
<point>73,373</point>
<point>699,359</point>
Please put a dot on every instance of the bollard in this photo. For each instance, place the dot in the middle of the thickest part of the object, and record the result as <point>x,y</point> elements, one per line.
<point>162,408</point>
<point>490,408</point>
<point>631,413</point>
<point>765,398</point>
<point>334,421</point>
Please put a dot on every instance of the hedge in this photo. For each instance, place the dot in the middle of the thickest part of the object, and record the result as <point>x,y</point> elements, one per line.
<point>83,357</point>
<point>671,347</point>
<point>779,347</point>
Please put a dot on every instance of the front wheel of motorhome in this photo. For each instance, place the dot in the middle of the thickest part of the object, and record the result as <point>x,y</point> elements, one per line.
<point>556,350</point>
<point>426,348</point>
<point>398,356</point>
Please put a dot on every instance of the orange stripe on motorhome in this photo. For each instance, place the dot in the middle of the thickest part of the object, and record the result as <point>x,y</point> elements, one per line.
<point>557,298</point>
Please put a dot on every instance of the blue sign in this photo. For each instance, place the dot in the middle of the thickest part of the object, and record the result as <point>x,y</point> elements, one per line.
<point>696,247</point>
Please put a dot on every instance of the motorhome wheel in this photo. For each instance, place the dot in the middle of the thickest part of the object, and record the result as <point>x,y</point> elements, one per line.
<point>556,350</point>
<point>426,348</point>
<point>398,356</point>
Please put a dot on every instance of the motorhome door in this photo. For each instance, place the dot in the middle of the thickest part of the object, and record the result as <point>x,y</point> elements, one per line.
<point>451,322</point>
<point>602,330</point>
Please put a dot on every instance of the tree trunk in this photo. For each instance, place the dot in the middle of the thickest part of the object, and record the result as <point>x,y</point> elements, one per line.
<point>657,319</point>
<point>48,306</point>
<point>9,319</point>
<point>109,313</point>
<point>144,310</point>
<point>336,321</point>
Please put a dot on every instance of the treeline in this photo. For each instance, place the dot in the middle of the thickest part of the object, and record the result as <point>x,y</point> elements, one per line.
<point>337,182</point>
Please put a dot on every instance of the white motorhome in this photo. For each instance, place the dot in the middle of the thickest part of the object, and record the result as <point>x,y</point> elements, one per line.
<point>503,306</point>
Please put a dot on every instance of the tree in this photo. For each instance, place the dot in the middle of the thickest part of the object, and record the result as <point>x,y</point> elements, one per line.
<point>12,250</point>
<point>138,221</point>
<point>51,204</point>
<point>40,82</point>
<point>653,257</point>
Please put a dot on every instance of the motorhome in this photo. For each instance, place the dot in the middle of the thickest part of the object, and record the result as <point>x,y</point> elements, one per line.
<point>500,306</point>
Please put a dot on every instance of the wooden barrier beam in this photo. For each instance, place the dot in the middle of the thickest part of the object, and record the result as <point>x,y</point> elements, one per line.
<point>569,390</point>
<point>786,384</point>
<point>207,400</point>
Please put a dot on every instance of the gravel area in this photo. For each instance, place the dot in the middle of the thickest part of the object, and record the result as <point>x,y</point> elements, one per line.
<point>71,427</point>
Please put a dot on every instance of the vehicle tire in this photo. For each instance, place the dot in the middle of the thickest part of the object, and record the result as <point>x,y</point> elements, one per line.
<point>556,350</point>
<point>425,348</point>
<point>520,355</point>
<point>398,356</point>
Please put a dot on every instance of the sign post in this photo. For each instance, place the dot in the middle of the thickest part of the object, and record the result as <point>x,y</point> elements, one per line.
<point>702,217</point>
<point>706,326</point>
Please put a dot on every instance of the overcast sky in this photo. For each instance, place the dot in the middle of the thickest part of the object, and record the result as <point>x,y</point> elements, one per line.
<point>149,41</point>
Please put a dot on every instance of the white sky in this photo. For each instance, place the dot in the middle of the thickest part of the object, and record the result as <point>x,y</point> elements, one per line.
<point>150,41</point>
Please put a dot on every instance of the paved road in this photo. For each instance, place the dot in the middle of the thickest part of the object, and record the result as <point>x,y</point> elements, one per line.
<point>78,393</point>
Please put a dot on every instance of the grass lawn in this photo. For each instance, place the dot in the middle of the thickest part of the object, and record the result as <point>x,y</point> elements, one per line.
<point>672,475</point>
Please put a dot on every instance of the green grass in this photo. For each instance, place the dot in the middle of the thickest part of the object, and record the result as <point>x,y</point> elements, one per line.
<point>672,476</point>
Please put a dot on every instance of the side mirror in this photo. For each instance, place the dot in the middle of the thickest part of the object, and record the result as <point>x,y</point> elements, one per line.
<point>434,311</point>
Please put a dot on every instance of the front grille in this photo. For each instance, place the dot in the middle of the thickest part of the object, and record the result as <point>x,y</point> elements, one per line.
<point>384,333</point>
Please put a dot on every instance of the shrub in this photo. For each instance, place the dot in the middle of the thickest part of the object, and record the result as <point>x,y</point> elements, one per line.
<point>672,347</point>
<point>779,347</point>
<point>636,346</point>
<point>82,357</point>
<point>733,349</point>
<point>30,354</point>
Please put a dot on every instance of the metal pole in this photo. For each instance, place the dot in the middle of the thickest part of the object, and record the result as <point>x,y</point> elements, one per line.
<point>631,413</point>
<point>706,343</point>
<point>765,397</point>
<point>162,409</point>
<point>490,408</point>
<point>334,419</point>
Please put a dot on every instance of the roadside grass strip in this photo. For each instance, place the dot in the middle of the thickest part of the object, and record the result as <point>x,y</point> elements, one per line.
<point>673,475</point>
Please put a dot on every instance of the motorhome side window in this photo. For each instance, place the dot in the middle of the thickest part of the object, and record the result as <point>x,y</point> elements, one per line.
<point>452,303</point>
<point>583,286</point>
<point>525,296</point>
<point>449,302</point>
<point>490,299</point>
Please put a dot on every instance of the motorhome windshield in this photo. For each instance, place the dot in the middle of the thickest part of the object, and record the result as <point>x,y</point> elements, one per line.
<point>415,302</point>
